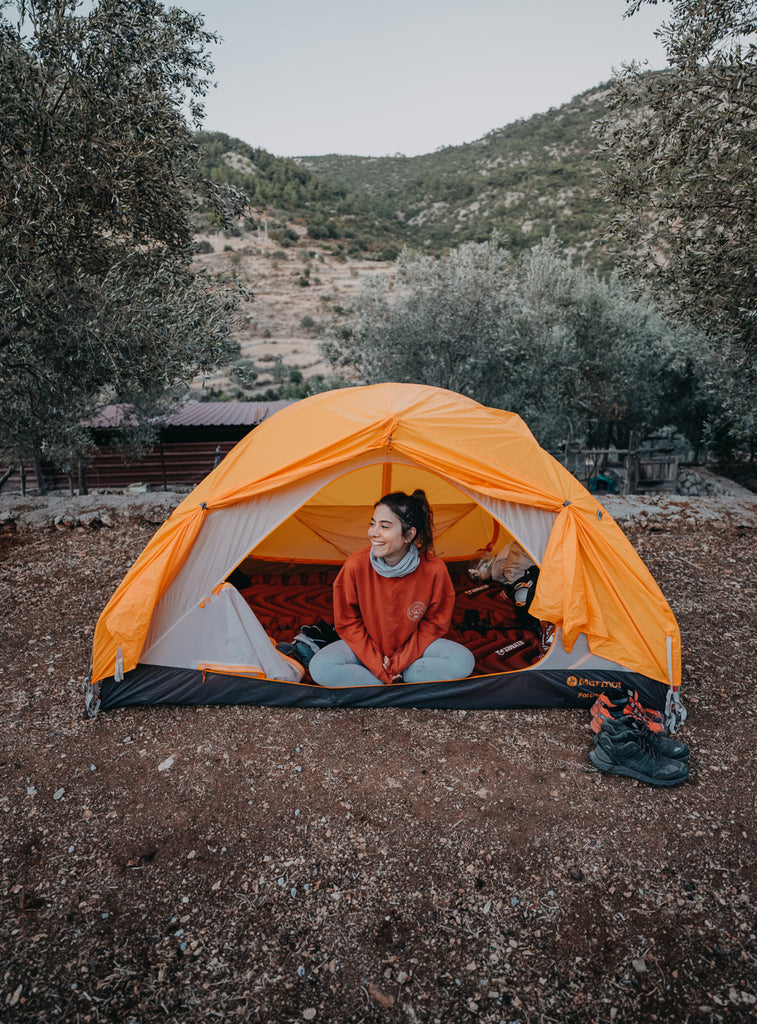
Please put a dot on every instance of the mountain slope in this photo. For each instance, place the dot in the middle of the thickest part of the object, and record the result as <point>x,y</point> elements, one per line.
<point>283,190</point>
<point>523,179</point>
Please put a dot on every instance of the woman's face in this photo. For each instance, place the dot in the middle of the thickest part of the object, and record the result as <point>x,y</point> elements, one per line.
<point>386,536</point>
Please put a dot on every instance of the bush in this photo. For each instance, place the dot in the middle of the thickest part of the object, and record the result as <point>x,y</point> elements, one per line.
<point>286,237</point>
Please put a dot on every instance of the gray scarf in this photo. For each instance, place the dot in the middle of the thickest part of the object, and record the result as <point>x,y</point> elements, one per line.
<point>402,568</point>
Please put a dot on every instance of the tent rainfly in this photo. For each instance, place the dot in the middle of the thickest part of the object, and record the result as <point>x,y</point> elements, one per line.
<point>293,499</point>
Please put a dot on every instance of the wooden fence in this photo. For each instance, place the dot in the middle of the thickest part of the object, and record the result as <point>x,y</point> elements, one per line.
<point>165,466</point>
<point>621,470</point>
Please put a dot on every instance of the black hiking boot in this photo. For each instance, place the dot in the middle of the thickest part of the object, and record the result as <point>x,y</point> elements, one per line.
<point>620,728</point>
<point>631,753</point>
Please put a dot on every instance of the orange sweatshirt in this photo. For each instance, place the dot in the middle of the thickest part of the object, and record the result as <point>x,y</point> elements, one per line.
<point>377,616</point>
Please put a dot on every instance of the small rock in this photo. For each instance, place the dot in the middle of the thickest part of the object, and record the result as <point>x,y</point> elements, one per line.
<point>165,765</point>
<point>639,965</point>
<point>309,1014</point>
<point>576,874</point>
<point>382,997</point>
<point>58,793</point>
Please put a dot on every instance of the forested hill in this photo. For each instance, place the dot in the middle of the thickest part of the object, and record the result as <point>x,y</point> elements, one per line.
<point>285,191</point>
<point>523,179</point>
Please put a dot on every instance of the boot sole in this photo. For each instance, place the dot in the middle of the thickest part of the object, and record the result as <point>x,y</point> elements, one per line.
<point>610,768</point>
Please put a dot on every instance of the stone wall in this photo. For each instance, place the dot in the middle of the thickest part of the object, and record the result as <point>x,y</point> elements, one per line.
<point>700,483</point>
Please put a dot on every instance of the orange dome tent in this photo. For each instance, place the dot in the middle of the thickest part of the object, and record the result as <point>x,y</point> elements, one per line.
<point>297,492</point>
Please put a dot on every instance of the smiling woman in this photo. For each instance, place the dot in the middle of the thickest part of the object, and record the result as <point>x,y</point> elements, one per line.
<point>393,605</point>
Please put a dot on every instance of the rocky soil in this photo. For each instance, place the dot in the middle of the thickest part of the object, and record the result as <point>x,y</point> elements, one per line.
<point>298,293</point>
<point>272,865</point>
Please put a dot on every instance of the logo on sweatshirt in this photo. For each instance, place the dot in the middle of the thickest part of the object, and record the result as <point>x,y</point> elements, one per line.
<point>416,610</point>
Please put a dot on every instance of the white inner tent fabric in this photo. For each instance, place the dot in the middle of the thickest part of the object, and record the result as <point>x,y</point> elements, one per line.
<point>322,520</point>
<point>222,634</point>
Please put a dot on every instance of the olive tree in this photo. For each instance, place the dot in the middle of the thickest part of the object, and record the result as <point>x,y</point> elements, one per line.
<point>99,300</point>
<point>576,356</point>
<point>438,322</point>
<point>679,148</point>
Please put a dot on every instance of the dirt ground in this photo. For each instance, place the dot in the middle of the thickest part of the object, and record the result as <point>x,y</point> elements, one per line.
<point>272,865</point>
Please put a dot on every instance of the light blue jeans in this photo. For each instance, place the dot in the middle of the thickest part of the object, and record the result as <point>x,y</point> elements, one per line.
<point>336,665</point>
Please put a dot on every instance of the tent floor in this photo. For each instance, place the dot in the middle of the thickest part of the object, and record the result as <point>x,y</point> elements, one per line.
<point>501,638</point>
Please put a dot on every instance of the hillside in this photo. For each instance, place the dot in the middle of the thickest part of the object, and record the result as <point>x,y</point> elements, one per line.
<point>282,193</point>
<point>300,290</point>
<point>318,225</point>
<point>523,179</point>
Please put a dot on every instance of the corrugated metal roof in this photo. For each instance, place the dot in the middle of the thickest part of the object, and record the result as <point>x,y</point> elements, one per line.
<point>216,414</point>
<point>199,414</point>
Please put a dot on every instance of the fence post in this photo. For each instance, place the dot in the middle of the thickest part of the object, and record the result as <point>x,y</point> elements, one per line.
<point>632,466</point>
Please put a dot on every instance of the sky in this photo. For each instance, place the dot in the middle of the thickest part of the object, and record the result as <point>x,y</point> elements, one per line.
<point>379,77</point>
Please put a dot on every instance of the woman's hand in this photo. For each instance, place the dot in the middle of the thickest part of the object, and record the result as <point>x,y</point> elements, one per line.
<point>394,677</point>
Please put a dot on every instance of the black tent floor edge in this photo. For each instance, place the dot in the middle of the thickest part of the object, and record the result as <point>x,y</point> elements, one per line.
<point>154,684</point>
